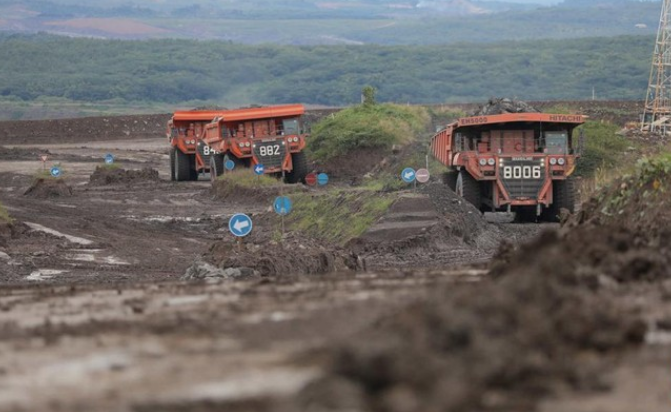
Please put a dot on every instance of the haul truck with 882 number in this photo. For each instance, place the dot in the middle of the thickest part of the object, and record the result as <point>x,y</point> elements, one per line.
<point>272,136</point>
<point>521,162</point>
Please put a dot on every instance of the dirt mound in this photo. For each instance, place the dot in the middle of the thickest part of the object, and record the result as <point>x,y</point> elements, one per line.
<point>104,175</point>
<point>432,223</point>
<point>231,191</point>
<point>16,153</point>
<point>477,348</point>
<point>44,188</point>
<point>502,106</point>
<point>294,255</point>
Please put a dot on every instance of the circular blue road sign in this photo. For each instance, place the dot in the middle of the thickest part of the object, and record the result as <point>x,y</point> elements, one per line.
<point>56,171</point>
<point>322,179</point>
<point>258,169</point>
<point>109,158</point>
<point>240,225</point>
<point>408,175</point>
<point>229,164</point>
<point>282,205</point>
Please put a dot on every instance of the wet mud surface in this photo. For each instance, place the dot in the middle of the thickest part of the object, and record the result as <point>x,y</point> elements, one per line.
<point>131,295</point>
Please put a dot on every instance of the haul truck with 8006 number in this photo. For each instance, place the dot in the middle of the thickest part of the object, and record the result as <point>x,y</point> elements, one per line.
<point>203,140</point>
<point>520,162</point>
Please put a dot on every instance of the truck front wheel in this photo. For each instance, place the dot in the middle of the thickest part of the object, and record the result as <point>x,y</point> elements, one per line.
<point>172,164</point>
<point>468,188</point>
<point>300,170</point>
<point>216,166</point>
<point>182,166</point>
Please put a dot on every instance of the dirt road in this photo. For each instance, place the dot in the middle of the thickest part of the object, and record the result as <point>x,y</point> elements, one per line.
<point>94,315</point>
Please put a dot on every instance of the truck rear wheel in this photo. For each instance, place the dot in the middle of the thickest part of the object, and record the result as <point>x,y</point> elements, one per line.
<point>182,166</point>
<point>172,164</point>
<point>300,170</point>
<point>216,166</point>
<point>468,188</point>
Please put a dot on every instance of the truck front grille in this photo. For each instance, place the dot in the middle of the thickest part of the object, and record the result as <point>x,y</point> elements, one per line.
<point>270,153</point>
<point>522,177</point>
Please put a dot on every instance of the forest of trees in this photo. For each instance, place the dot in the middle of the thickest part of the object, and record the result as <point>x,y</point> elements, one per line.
<point>174,71</point>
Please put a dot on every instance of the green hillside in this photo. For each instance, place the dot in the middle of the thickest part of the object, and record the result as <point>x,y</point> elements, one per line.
<point>178,71</point>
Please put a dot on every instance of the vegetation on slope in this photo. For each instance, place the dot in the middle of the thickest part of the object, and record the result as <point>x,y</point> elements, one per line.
<point>367,126</point>
<point>179,71</point>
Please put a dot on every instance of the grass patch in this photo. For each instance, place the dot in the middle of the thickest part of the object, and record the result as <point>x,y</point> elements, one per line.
<point>4,215</point>
<point>247,178</point>
<point>367,126</point>
<point>337,216</point>
<point>604,149</point>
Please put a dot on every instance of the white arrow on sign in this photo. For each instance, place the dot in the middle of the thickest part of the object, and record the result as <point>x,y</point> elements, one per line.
<point>240,224</point>
<point>408,175</point>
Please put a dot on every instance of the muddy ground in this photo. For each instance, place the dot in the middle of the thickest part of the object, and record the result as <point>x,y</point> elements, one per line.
<point>95,313</point>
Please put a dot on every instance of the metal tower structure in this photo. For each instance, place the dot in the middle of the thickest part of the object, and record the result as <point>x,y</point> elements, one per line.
<point>657,111</point>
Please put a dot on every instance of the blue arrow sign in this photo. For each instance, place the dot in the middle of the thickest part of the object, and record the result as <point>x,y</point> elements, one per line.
<point>408,175</point>
<point>109,158</point>
<point>322,179</point>
<point>56,171</point>
<point>282,205</point>
<point>229,164</point>
<point>240,225</point>
<point>258,169</point>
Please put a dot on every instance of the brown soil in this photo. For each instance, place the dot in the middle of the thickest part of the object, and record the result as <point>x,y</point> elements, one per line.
<point>94,315</point>
<point>230,191</point>
<point>294,255</point>
<point>44,188</point>
<point>104,175</point>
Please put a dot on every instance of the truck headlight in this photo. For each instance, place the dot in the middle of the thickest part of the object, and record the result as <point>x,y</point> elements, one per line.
<point>241,144</point>
<point>491,162</point>
<point>553,161</point>
<point>561,161</point>
<point>247,144</point>
<point>483,162</point>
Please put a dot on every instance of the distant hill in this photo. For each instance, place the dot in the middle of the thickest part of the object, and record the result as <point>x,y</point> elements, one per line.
<point>44,68</point>
<point>302,22</point>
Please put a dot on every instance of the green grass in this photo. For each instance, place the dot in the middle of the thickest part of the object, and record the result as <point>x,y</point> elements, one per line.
<point>367,126</point>
<point>604,149</point>
<point>4,215</point>
<point>247,178</point>
<point>339,215</point>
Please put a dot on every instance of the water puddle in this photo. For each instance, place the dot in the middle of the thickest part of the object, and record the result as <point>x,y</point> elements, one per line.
<point>44,274</point>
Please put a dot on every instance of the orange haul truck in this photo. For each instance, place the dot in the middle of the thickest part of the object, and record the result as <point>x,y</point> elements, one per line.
<point>202,141</point>
<point>522,162</point>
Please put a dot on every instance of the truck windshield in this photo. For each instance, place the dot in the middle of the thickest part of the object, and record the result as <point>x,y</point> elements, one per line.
<point>556,143</point>
<point>290,126</point>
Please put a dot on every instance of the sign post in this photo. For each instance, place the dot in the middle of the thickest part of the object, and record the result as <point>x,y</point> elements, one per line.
<point>282,207</point>
<point>44,159</point>
<point>322,179</point>
<point>422,175</point>
<point>311,179</point>
<point>240,225</point>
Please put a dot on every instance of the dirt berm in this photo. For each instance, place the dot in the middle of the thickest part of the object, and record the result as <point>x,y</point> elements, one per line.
<point>105,175</point>
<point>550,316</point>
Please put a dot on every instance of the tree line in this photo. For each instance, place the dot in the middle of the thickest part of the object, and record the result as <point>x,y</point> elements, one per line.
<point>174,71</point>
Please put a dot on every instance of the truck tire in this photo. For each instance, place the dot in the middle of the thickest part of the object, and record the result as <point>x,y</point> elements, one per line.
<point>172,164</point>
<point>182,165</point>
<point>468,188</point>
<point>193,172</point>
<point>216,166</point>
<point>563,196</point>
<point>300,170</point>
<point>450,179</point>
